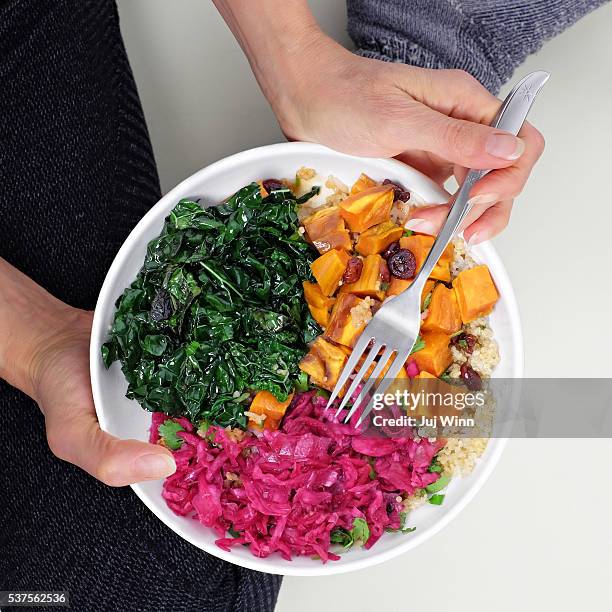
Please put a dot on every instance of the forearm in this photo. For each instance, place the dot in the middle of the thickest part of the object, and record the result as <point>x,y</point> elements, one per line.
<point>29,317</point>
<point>281,42</point>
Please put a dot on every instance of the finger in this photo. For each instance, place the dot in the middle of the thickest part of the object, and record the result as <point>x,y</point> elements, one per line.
<point>495,216</point>
<point>507,183</point>
<point>455,93</point>
<point>490,223</point>
<point>79,440</point>
<point>462,142</point>
<point>436,168</point>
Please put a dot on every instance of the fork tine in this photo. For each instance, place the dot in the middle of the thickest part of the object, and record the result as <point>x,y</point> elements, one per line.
<point>349,366</point>
<point>389,378</point>
<point>375,374</point>
<point>360,374</point>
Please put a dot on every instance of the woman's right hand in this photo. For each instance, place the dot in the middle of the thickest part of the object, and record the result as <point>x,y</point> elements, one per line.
<point>435,120</point>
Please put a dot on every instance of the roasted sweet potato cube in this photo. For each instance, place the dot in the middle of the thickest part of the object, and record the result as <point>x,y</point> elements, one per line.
<point>436,356</point>
<point>265,404</point>
<point>335,240</point>
<point>323,363</point>
<point>420,245</point>
<point>362,183</point>
<point>397,285</point>
<point>378,238</point>
<point>369,283</point>
<point>443,312</point>
<point>329,268</point>
<point>344,328</point>
<point>367,208</point>
<point>476,293</point>
<point>320,315</point>
<point>313,366</point>
<point>326,230</point>
<point>315,297</point>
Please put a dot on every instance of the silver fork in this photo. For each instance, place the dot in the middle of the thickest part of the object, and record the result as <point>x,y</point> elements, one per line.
<point>395,327</point>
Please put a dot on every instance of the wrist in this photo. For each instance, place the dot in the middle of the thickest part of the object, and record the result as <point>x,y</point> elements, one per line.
<point>31,320</point>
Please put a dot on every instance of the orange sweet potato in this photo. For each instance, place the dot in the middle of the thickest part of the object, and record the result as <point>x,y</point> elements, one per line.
<point>436,356</point>
<point>377,238</point>
<point>362,183</point>
<point>476,293</point>
<point>326,230</point>
<point>264,403</point>
<point>443,312</point>
<point>367,208</point>
<point>329,268</point>
<point>420,245</point>
<point>369,282</point>
<point>342,328</point>
<point>323,363</point>
<point>397,285</point>
<point>318,303</point>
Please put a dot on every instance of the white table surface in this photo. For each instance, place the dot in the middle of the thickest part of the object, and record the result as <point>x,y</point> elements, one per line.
<point>539,534</point>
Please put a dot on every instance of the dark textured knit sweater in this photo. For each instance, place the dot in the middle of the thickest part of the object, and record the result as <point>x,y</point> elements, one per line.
<point>488,38</point>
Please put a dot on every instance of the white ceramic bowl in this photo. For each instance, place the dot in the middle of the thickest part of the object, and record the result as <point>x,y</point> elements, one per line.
<point>125,418</point>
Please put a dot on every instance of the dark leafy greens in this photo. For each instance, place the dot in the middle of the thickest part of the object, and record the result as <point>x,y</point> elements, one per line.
<point>217,309</point>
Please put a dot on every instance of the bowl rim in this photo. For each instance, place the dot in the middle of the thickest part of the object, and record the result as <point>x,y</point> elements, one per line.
<point>272,564</point>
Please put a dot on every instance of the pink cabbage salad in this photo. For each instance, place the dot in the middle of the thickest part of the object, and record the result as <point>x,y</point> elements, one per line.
<point>313,486</point>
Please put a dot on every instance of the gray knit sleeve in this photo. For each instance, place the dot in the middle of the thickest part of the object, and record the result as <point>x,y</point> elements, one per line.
<point>488,38</point>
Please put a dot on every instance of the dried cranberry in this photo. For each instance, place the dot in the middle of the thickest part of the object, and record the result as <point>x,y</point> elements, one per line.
<point>353,270</point>
<point>161,306</point>
<point>385,275</point>
<point>465,342</point>
<point>471,378</point>
<point>402,264</point>
<point>271,185</point>
<point>392,248</point>
<point>399,192</point>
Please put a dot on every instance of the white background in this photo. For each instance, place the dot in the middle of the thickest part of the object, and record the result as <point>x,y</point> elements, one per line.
<point>539,535</point>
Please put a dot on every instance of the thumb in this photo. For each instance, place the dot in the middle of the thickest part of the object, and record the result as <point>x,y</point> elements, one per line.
<point>467,143</point>
<point>79,440</point>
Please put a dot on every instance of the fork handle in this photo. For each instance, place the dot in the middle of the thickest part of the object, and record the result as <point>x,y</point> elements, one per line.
<point>510,118</point>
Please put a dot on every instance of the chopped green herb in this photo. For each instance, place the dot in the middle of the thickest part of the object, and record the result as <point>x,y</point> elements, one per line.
<point>435,467</point>
<point>342,537</point>
<point>407,233</point>
<point>360,532</point>
<point>301,384</point>
<point>427,301</point>
<point>446,377</point>
<point>442,482</point>
<point>384,286</point>
<point>167,432</point>
<point>418,345</point>
<point>437,499</point>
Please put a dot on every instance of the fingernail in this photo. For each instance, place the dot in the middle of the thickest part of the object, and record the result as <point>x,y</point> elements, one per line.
<point>505,146</point>
<point>154,465</point>
<point>477,238</point>
<point>484,198</point>
<point>421,226</point>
